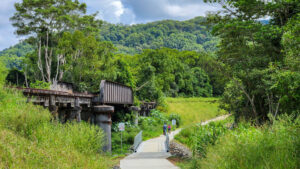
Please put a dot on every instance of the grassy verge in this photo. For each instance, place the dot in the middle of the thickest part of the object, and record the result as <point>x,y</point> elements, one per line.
<point>273,145</point>
<point>194,110</point>
<point>28,138</point>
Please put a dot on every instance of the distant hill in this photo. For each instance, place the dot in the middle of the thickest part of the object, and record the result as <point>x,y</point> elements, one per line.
<point>182,35</point>
<point>17,50</point>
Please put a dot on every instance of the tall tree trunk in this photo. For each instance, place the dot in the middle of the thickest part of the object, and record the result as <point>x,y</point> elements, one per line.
<point>251,100</point>
<point>26,80</point>
<point>48,58</point>
<point>40,63</point>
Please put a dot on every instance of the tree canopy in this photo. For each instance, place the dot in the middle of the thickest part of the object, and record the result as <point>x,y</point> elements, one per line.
<point>260,59</point>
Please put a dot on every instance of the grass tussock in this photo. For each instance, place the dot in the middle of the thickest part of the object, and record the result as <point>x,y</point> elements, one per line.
<point>28,138</point>
<point>194,110</point>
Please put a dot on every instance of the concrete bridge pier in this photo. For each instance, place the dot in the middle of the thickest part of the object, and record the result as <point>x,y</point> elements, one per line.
<point>53,108</point>
<point>135,110</point>
<point>76,111</point>
<point>103,119</point>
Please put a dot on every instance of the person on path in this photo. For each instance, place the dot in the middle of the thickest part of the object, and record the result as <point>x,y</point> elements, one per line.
<point>169,128</point>
<point>165,129</point>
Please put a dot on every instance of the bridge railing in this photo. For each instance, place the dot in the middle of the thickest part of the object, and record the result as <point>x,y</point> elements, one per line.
<point>137,140</point>
<point>167,142</point>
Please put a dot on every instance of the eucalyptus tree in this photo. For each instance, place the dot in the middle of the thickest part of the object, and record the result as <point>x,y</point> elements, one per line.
<point>43,22</point>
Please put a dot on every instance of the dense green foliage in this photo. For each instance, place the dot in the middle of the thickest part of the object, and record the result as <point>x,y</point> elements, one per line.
<point>30,140</point>
<point>167,72</point>
<point>13,55</point>
<point>192,35</point>
<point>261,60</point>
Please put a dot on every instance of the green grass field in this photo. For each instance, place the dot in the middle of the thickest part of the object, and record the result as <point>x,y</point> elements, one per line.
<point>194,110</point>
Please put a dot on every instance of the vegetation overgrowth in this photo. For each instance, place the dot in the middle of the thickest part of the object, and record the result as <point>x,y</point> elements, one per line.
<point>197,137</point>
<point>28,138</point>
<point>194,110</point>
<point>273,145</point>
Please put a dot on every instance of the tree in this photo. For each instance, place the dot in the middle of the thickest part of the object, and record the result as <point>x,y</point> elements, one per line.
<point>44,21</point>
<point>252,56</point>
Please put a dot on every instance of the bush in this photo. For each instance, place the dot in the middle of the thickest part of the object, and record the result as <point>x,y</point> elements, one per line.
<point>199,137</point>
<point>40,85</point>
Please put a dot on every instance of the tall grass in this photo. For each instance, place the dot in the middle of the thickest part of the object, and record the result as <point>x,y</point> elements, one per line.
<point>199,137</point>
<point>269,146</point>
<point>194,110</point>
<point>274,145</point>
<point>28,138</point>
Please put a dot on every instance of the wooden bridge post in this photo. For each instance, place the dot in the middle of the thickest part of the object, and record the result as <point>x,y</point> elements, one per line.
<point>103,120</point>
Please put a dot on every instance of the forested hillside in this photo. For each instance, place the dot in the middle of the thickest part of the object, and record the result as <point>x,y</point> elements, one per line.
<point>192,35</point>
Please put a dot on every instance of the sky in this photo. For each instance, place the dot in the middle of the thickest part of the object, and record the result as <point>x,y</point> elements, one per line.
<point>116,11</point>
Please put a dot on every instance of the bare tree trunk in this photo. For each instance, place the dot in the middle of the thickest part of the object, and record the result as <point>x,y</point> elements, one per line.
<point>48,58</point>
<point>57,66</point>
<point>251,100</point>
<point>40,63</point>
<point>277,107</point>
<point>26,80</point>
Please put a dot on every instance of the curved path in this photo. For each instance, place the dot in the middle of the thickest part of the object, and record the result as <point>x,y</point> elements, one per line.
<point>152,154</point>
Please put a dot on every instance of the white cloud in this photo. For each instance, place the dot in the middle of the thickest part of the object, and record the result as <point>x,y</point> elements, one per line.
<point>109,10</point>
<point>187,11</point>
<point>119,8</point>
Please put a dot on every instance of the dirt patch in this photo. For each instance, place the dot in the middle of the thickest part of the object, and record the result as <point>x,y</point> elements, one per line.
<point>174,160</point>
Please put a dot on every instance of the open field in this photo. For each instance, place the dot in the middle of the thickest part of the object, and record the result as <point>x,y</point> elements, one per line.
<point>193,110</point>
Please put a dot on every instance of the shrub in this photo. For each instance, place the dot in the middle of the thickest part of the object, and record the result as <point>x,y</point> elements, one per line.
<point>40,85</point>
<point>199,137</point>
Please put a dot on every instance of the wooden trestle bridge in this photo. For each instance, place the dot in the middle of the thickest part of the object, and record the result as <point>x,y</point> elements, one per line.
<point>64,104</point>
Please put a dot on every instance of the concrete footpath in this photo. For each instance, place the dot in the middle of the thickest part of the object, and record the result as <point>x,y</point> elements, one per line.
<point>152,154</point>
